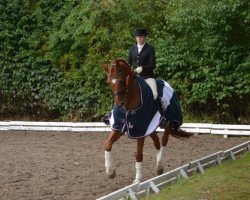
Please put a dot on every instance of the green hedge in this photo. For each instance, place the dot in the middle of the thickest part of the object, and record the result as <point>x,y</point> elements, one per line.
<point>50,55</point>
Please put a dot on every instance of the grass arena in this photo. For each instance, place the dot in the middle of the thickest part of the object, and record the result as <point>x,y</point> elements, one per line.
<point>70,165</point>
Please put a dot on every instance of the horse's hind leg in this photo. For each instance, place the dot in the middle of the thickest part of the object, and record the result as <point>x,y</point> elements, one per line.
<point>159,167</point>
<point>113,137</point>
<point>156,141</point>
<point>161,152</point>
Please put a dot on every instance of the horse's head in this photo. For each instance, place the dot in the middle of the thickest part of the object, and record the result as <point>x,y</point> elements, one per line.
<point>120,78</point>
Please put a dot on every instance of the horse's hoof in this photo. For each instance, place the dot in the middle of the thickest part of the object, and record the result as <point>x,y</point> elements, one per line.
<point>137,181</point>
<point>111,173</point>
<point>159,171</point>
<point>195,135</point>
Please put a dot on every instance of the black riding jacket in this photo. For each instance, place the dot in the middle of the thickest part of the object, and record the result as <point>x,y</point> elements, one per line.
<point>145,59</point>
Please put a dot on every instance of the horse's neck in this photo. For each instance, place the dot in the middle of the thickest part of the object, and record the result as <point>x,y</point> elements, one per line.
<point>133,96</point>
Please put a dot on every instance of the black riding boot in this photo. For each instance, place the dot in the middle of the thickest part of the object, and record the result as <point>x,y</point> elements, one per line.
<point>105,119</point>
<point>161,111</point>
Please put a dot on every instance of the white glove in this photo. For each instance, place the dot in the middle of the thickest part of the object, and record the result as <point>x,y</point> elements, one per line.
<point>138,70</point>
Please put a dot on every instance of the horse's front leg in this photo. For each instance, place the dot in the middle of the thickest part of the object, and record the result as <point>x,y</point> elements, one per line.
<point>139,159</point>
<point>113,137</point>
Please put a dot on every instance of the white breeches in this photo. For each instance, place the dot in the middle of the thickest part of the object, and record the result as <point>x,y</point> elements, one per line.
<point>152,84</point>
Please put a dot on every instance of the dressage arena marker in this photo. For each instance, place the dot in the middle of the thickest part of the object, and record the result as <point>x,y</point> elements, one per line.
<point>131,194</point>
<point>154,185</point>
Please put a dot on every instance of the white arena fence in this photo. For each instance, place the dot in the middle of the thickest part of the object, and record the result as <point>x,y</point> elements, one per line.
<point>200,128</point>
<point>139,190</point>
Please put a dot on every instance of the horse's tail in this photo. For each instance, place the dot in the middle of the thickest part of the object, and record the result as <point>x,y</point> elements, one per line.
<point>181,134</point>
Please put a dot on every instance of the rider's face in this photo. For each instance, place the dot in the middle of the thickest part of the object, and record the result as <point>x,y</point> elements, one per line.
<point>140,40</point>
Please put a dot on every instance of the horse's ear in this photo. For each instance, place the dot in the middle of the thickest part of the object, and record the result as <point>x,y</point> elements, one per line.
<point>129,80</point>
<point>104,67</point>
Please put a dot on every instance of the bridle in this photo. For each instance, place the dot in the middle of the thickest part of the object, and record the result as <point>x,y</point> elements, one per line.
<point>124,91</point>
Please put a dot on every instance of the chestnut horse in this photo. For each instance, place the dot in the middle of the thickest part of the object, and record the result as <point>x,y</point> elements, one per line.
<point>127,97</point>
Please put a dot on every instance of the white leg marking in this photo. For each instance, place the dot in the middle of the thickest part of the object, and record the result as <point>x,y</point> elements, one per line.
<point>109,165</point>
<point>108,159</point>
<point>138,175</point>
<point>161,156</point>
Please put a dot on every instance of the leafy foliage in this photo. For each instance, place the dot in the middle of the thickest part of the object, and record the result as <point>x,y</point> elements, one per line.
<point>207,52</point>
<point>50,54</point>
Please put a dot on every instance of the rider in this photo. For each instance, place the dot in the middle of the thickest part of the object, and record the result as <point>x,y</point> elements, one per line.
<point>142,58</point>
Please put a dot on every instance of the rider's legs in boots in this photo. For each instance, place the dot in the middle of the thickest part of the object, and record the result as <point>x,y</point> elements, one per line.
<point>152,84</point>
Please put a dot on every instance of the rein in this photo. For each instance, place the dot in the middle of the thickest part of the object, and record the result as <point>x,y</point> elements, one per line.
<point>120,93</point>
<point>125,92</point>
